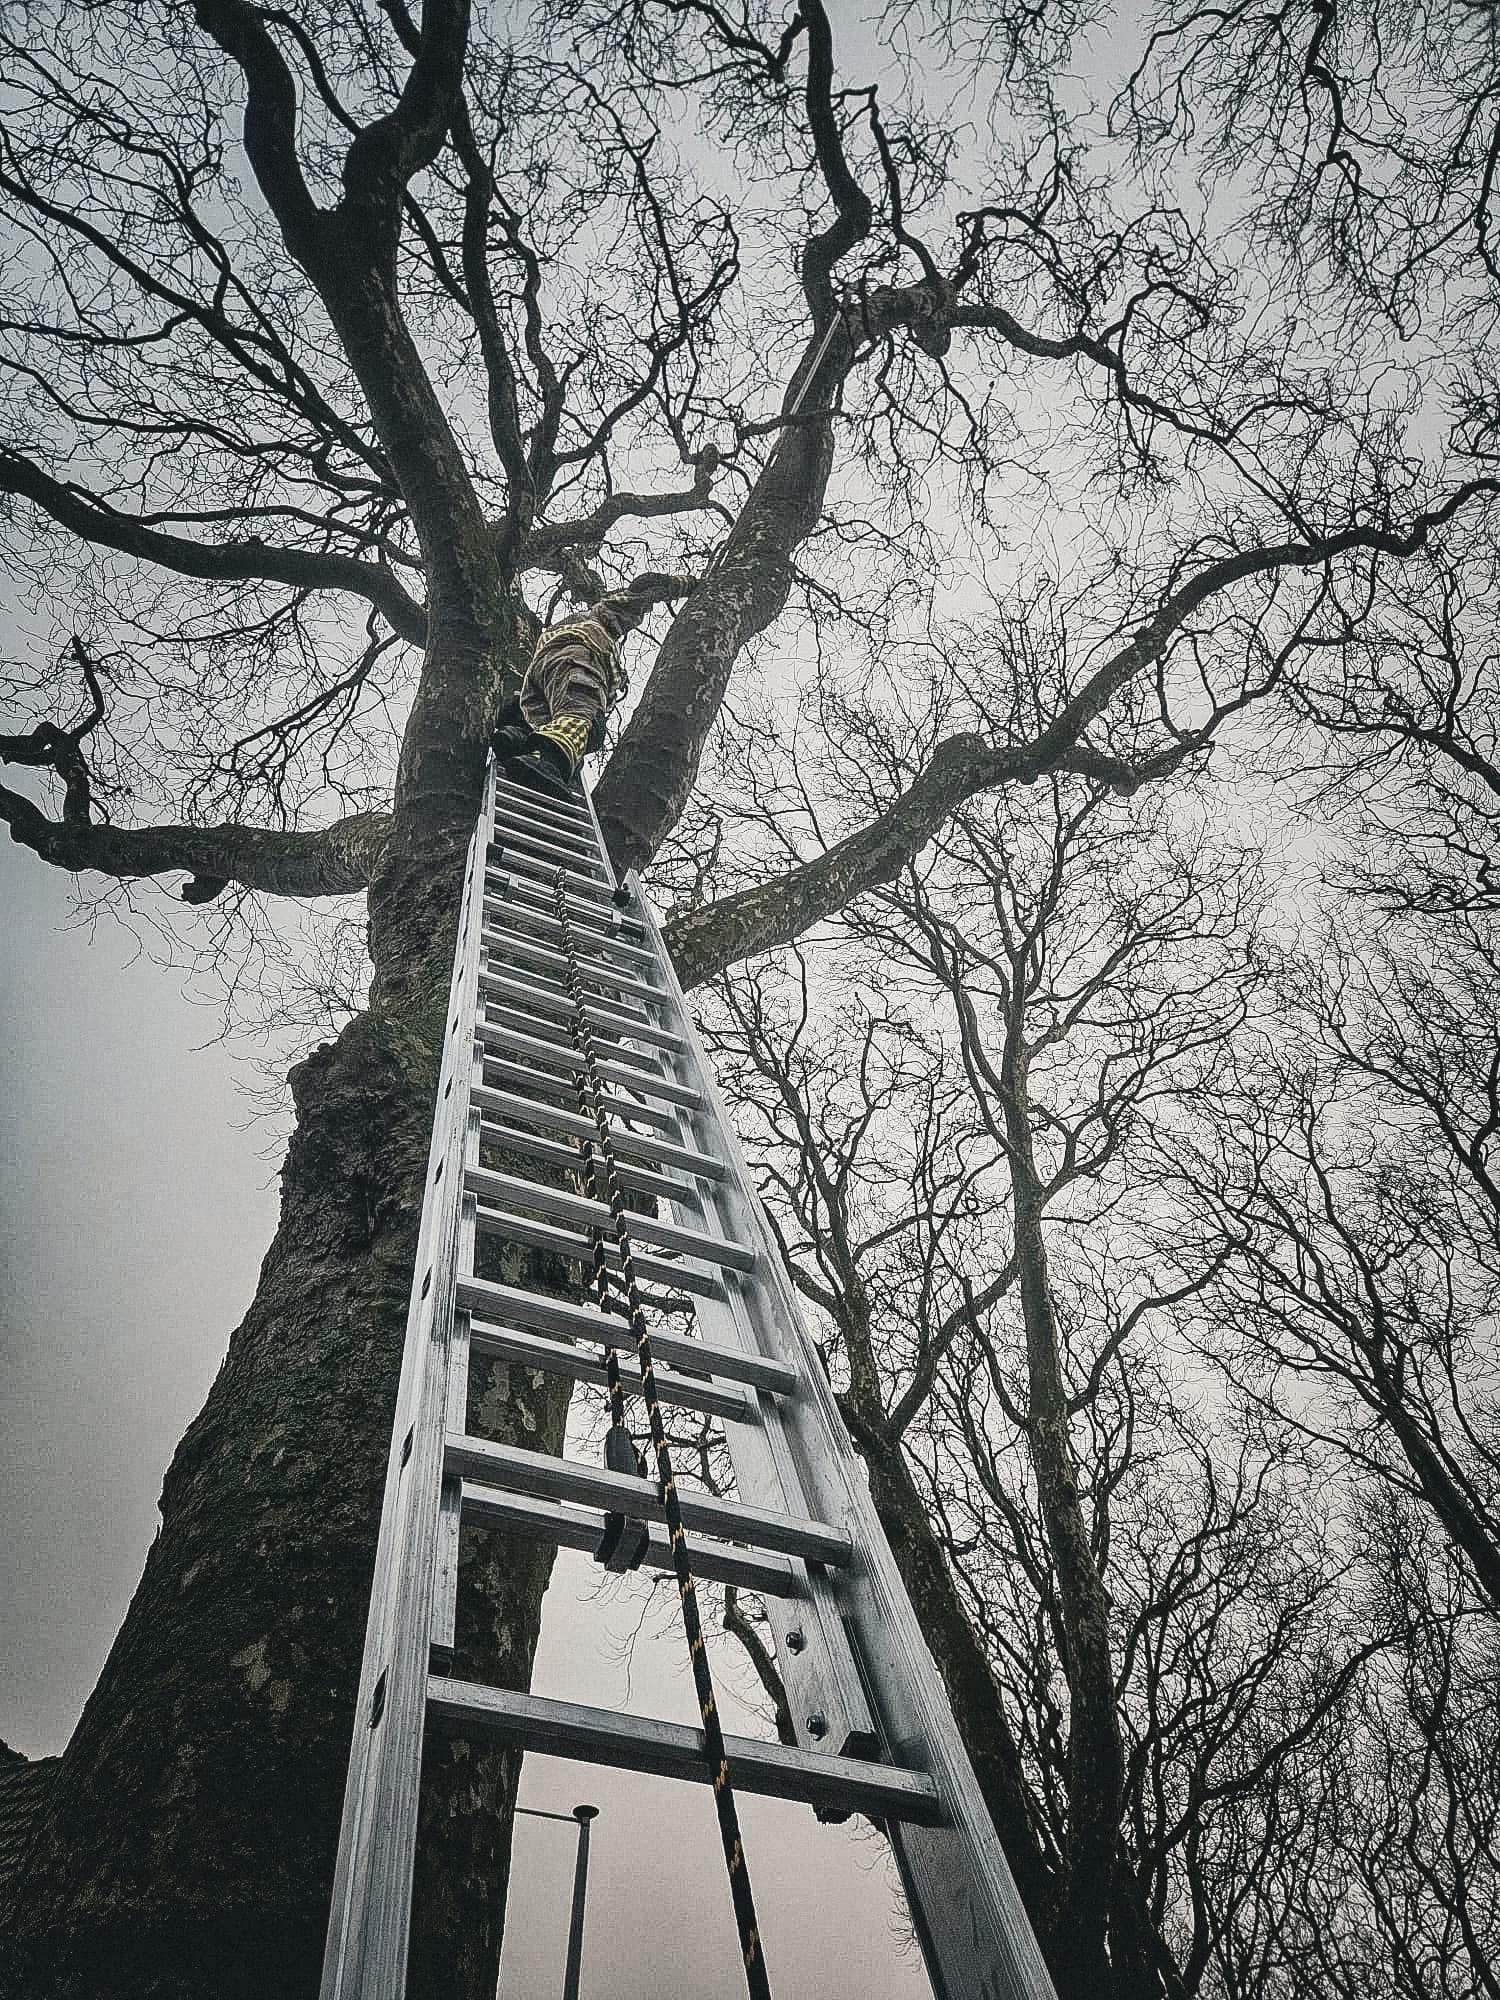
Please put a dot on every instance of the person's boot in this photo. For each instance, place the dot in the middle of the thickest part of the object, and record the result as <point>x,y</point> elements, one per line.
<point>511,740</point>
<point>543,767</point>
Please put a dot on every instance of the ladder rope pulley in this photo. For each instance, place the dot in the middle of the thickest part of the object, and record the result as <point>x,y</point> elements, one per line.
<point>605,1185</point>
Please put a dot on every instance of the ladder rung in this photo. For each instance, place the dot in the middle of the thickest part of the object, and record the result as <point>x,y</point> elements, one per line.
<point>601,969</point>
<point>556,1357</point>
<point>672,1750</point>
<point>585,916</point>
<point>533,952</point>
<point>579,1248</point>
<point>640,1180</point>
<point>627,1111</point>
<point>543,872</point>
<point>507,834</point>
<point>563,1205</point>
<point>622,1077</point>
<point>499,1014</point>
<point>535,888</point>
<point>580,1528</point>
<point>587,937</point>
<point>651,1152</point>
<point>540,1314</point>
<point>548,989</point>
<point>543,803</point>
<point>558,1004</point>
<point>526,827</point>
<point>518,916</point>
<point>532,805</point>
<point>523,820</point>
<point>516,1470</point>
<point>521,871</point>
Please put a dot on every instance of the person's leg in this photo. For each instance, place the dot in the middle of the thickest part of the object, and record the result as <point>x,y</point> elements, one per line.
<point>513,731</point>
<point>568,736</point>
<point>576,693</point>
<point>529,757</point>
<point>564,699</point>
<point>542,766</point>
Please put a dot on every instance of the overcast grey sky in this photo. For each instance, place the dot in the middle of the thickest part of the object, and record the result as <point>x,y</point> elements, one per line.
<point>136,1201</point>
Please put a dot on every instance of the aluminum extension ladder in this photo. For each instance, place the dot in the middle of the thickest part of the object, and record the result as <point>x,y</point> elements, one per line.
<point>874,1731</point>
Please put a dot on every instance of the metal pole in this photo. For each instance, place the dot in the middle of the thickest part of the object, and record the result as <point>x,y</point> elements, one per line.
<point>583,1814</point>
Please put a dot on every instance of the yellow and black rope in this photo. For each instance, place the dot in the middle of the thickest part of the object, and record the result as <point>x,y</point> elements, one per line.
<point>604,1176</point>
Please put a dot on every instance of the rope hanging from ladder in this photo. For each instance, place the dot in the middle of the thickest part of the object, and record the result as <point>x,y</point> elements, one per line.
<point>603,1172</point>
<point>624,1543</point>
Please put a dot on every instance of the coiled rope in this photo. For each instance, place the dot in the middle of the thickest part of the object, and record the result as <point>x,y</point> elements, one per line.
<point>604,1179</point>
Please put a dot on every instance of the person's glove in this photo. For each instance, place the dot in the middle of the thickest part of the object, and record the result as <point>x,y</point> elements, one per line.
<point>511,741</point>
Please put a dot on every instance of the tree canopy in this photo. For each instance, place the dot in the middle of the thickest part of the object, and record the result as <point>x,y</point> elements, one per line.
<point>1061,444</point>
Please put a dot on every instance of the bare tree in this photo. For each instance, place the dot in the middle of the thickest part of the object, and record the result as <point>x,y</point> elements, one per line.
<point>1350,1176</point>
<point>1141,1624</point>
<point>341,344</point>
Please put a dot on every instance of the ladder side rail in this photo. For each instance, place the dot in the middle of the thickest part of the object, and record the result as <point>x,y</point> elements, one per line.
<point>443,1634</point>
<point>825,1697</point>
<point>370,1916</point>
<point>976,1937</point>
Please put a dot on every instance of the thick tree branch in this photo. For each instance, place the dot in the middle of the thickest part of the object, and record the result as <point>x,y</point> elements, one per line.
<point>704,941</point>
<point>242,561</point>
<point>502,398</point>
<point>543,545</point>
<point>853,208</point>
<point>336,860</point>
<point>388,153</point>
<point>349,252</point>
<point>50,746</point>
<point>270,117</point>
<point>646,783</point>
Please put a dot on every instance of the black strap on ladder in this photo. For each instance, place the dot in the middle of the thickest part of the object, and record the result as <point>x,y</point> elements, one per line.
<point>604,1174</point>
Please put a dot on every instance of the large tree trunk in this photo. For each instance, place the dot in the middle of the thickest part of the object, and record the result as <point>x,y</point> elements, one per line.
<point>186,1843</point>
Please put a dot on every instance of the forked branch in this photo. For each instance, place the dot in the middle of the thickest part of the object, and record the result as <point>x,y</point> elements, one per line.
<point>704,941</point>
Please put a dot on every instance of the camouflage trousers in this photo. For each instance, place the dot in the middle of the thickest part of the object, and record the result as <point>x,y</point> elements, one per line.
<point>572,683</point>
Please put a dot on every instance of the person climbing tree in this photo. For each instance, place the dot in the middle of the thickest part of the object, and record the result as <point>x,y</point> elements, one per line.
<point>574,679</point>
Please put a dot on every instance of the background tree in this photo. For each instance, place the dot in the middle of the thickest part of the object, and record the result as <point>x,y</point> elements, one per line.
<point>340,345</point>
<point>1112,1592</point>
